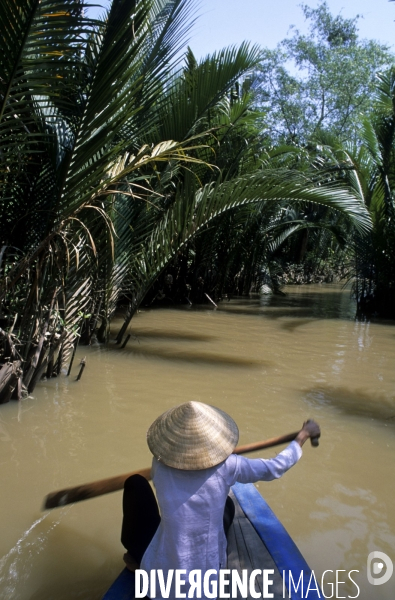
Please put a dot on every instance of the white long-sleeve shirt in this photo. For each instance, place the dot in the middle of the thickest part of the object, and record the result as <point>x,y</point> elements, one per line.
<point>191,534</point>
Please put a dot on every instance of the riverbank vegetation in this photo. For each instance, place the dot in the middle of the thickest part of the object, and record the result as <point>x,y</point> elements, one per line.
<point>132,172</point>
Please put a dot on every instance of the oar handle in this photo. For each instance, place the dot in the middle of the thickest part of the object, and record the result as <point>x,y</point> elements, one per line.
<point>277,441</point>
<point>284,439</point>
<point>112,484</point>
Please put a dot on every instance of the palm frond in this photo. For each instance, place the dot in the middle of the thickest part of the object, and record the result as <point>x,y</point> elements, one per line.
<point>186,218</point>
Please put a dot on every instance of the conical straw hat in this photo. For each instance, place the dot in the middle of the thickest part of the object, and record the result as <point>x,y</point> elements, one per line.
<point>193,436</point>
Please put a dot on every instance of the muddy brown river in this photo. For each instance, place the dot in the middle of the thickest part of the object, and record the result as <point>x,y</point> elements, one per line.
<point>271,363</point>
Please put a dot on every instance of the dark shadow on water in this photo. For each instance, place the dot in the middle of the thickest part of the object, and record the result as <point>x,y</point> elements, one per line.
<point>203,358</point>
<point>271,312</point>
<point>353,402</point>
<point>302,301</point>
<point>326,303</point>
<point>329,304</point>
<point>291,326</point>
<point>172,335</point>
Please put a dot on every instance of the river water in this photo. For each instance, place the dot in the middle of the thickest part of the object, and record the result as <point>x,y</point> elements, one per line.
<point>271,363</point>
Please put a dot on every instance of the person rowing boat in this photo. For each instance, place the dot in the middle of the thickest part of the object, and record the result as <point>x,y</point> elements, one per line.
<point>193,469</point>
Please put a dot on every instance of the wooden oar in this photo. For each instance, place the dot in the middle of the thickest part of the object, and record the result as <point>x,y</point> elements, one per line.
<point>112,484</point>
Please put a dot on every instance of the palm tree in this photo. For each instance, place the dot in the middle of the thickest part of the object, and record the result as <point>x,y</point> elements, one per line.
<point>76,94</point>
<point>375,255</point>
<point>368,169</point>
<point>108,167</point>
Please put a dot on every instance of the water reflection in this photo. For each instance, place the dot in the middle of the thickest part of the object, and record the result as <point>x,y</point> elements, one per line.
<point>319,302</point>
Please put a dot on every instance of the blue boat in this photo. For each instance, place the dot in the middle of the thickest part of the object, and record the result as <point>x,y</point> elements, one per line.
<point>256,540</point>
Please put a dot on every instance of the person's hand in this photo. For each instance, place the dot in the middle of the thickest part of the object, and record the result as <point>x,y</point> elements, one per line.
<point>310,429</point>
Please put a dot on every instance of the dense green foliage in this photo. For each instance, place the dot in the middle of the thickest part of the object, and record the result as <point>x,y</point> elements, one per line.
<point>338,107</point>
<point>373,178</point>
<point>320,81</point>
<point>127,172</point>
<point>324,108</point>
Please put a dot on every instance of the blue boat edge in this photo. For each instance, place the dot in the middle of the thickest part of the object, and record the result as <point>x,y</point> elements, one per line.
<point>279,543</point>
<point>122,588</point>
